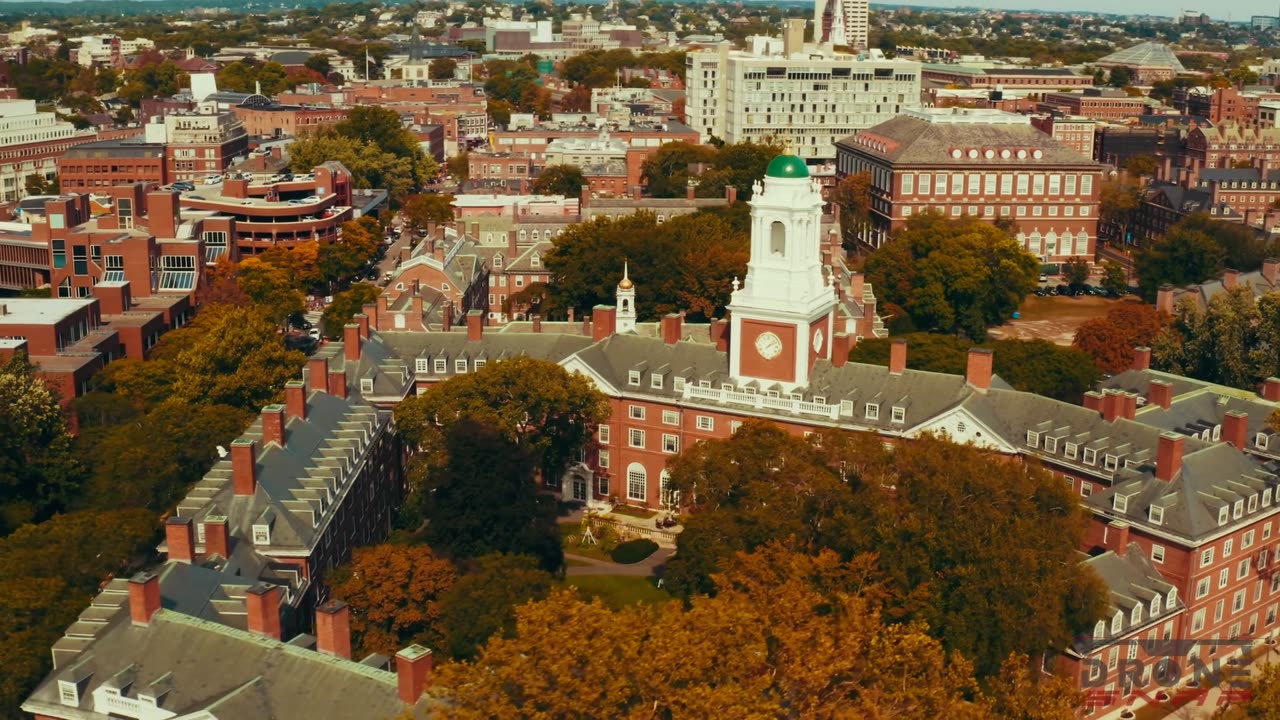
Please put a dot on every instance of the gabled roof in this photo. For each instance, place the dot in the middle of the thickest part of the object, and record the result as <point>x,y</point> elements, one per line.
<point>1147,54</point>
<point>908,140</point>
<point>1132,581</point>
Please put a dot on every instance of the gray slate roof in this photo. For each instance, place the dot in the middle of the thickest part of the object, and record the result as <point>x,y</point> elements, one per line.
<point>915,141</point>
<point>1131,581</point>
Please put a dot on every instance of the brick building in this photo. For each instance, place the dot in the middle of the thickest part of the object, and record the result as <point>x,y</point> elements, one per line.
<point>982,163</point>
<point>1094,103</point>
<point>1075,133</point>
<point>94,166</point>
<point>1222,106</point>
<point>1030,80</point>
<point>1225,147</point>
<point>286,120</point>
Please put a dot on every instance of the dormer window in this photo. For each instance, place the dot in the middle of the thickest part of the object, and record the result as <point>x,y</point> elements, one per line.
<point>460,366</point>
<point>1224,514</point>
<point>441,366</point>
<point>480,363</point>
<point>1073,451</point>
<point>1099,630</point>
<point>846,407</point>
<point>633,378</point>
<point>262,534</point>
<point>366,386</point>
<point>899,415</point>
<point>1090,456</point>
<point>1266,498</point>
<point>1155,606</point>
<point>655,381</point>
<point>1051,444</point>
<point>1135,616</point>
<point>68,693</point>
<point>1171,598</point>
<point>677,384</point>
<point>497,261</point>
<point>1120,503</point>
<point>1117,622</point>
<point>422,365</point>
<point>1253,503</point>
<point>1110,462</point>
<point>1156,515</point>
<point>1033,438</point>
<point>535,260</point>
<point>819,400</point>
<point>1237,509</point>
<point>1260,441</point>
<point>873,411</point>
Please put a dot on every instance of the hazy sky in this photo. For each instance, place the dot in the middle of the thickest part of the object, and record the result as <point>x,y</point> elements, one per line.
<point>1218,9</point>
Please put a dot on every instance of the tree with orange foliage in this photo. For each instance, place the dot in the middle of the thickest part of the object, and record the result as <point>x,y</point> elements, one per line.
<point>394,592</point>
<point>1110,339</point>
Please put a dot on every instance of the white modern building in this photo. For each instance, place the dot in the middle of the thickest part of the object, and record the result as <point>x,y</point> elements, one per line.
<point>109,50</point>
<point>841,22</point>
<point>804,96</point>
<point>30,143</point>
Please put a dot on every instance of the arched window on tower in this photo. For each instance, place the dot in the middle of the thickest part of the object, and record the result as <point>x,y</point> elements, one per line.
<point>778,239</point>
<point>625,304</point>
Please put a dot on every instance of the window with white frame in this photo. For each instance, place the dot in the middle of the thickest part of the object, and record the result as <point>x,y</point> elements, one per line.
<point>637,482</point>
<point>1073,451</point>
<point>1224,514</point>
<point>655,381</point>
<point>422,365</point>
<point>635,438</point>
<point>846,407</point>
<point>1224,577</point>
<point>603,432</point>
<point>1246,541</point>
<point>1203,587</point>
<point>1090,456</point>
<point>670,444</point>
<point>1242,570</point>
<point>1228,547</point>
<point>635,412</point>
<point>460,365</point>
<point>1086,489</point>
<point>1237,509</point>
<point>677,384</point>
<point>633,377</point>
<point>899,415</point>
<point>440,366</point>
<point>1120,503</point>
<point>1157,554</point>
<point>603,459</point>
<point>670,417</point>
<point>1206,557</point>
<point>706,422</point>
<point>1155,514</point>
<point>1033,438</point>
<point>872,411</point>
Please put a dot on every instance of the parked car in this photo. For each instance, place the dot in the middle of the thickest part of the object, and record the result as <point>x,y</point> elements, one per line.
<point>184,186</point>
<point>213,180</point>
<point>314,332</point>
<point>1043,277</point>
<point>311,199</point>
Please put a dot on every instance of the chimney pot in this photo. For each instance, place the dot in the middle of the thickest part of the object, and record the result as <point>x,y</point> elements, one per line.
<point>1235,428</point>
<point>1093,400</point>
<point>1160,393</point>
<point>672,328</point>
<point>1271,389</point>
<point>1231,278</point>
<point>273,425</point>
<point>180,537</point>
<point>351,342</point>
<point>537,323</point>
<point>262,602</point>
<point>217,536</point>
<point>841,344</point>
<point>1169,456</point>
<point>338,383</point>
<point>1142,358</point>
<point>603,319</point>
<point>1118,537</point>
<point>295,399</point>
<point>333,629</point>
<point>978,370</point>
<point>362,320</point>
<point>413,673</point>
<point>318,373</point>
<point>475,326</point>
<point>244,466</point>
<point>897,357</point>
<point>144,597</point>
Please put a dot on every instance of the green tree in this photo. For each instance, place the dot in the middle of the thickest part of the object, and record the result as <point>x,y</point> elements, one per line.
<point>1121,76</point>
<point>686,263</point>
<point>319,63</point>
<point>484,498</point>
<point>482,603</point>
<point>39,185</point>
<point>443,68</point>
<point>1183,257</point>
<point>534,404</point>
<point>39,474</point>
<point>1118,203</point>
<point>395,596</point>
<point>370,165</point>
<point>852,196</point>
<point>564,180</point>
<point>1243,249</point>
<point>1235,341</point>
<point>236,359</point>
<point>421,210</point>
<point>1076,272</point>
<point>459,166</point>
<point>271,289</point>
<point>666,172</point>
<point>1141,165</point>
<point>1115,278</point>
<point>357,247</point>
<point>953,275</point>
<point>345,306</point>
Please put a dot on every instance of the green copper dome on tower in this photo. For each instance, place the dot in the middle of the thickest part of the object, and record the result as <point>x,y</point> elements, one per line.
<point>787,166</point>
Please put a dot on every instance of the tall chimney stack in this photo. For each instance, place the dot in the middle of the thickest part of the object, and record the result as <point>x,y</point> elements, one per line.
<point>262,602</point>
<point>180,538</point>
<point>333,629</point>
<point>978,371</point>
<point>1169,456</point>
<point>413,672</point>
<point>897,357</point>
<point>144,597</point>
<point>244,466</point>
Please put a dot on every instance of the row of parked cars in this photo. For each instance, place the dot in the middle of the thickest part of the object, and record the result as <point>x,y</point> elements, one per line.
<point>1070,291</point>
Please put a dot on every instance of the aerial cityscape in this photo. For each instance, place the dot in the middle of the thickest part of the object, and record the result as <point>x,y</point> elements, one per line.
<point>466,359</point>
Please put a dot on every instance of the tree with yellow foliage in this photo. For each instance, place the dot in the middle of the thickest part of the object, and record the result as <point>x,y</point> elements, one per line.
<point>394,592</point>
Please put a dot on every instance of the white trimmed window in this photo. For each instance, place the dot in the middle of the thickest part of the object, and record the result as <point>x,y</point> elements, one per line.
<point>441,366</point>
<point>1206,557</point>
<point>635,412</point>
<point>604,461</point>
<point>670,417</point>
<point>604,434</point>
<point>706,422</point>
<point>655,381</point>
<point>1157,554</point>
<point>678,384</point>
<point>873,411</point>
<point>1156,514</point>
<point>635,438</point>
<point>670,444</point>
<point>633,377</point>
<point>637,482</point>
<point>460,365</point>
<point>899,415</point>
<point>422,365</point>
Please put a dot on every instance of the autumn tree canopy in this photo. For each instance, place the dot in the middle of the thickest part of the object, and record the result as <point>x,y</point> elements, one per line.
<point>988,560</point>
<point>953,275</point>
<point>684,264</point>
<point>1110,339</point>
<point>394,592</point>
<point>1197,248</point>
<point>666,172</point>
<point>1234,341</point>
<point>483,601</point>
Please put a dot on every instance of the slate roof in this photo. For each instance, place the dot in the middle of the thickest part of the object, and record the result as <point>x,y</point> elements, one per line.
<point>297,484</point>
<point>1132,580</point>
<point>1147,54</point>
<point>908,140</point>
<point>197,666</point>
<point>1237,175</point>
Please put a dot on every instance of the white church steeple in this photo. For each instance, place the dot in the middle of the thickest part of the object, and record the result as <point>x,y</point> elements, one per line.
<point>782,316</point>
<point>626,301</point>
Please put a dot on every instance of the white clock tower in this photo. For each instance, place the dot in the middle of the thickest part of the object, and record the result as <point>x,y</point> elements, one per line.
<point>782,317</point>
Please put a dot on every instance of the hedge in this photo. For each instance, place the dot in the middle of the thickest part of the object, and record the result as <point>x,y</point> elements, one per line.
<point>633,551</point>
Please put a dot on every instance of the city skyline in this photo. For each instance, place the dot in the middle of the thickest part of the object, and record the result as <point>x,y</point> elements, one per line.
<point>1238,12</point>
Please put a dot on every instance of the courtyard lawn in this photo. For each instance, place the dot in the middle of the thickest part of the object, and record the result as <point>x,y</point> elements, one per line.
<point>619,591</point>
<point>634,512</point>
<point>1055,318</point>
<point>570,540</point>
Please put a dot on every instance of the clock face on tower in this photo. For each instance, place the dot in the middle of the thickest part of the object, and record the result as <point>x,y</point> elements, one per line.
<point>817,340</point>
<point>768,345</point>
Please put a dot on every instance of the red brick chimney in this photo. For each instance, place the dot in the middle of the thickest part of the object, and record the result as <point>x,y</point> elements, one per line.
<point>180,537</point>
<point>857,286</point>
<point>1271,270</point>
<point>978,371</point>
<point>1230,278</point>
<point>413,671</point>
<point>1129,405</point>
<point>273,425</point>
<point>1235,428</point>
<point>338,383</point>
<point>1169,456</point>
<point>362,320</point>
<point>351,342</point>
<point>333,629</point>
<point>1111,405</point>
<point>475,326</point>
<point>690,192</point>
<point>1118,537</point>
<point>370,311</point>
<point>1164,299</point>
<point>318,373</point>
<point>446,316</point>
<point>262,603</point>
<point>730,194</point>
<point>1142,358</point>
<point>1271,389</point>
<point>1160,393</point>
<point>144,597</point>
<point>603,321</point>
<point>720,332</point>
<point>841,344</point>
<point>898,357</point>
<point>1093,400</point>
<point>163,214</point>
<point>217,536</point>
<point>244,466</point>
<point>295,399</point>
<point>672,328</point>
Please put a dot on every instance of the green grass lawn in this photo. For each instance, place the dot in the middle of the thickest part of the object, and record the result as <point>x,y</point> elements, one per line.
<point>619,591</point>
<point>570,537</point>
<point>633,512</point>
